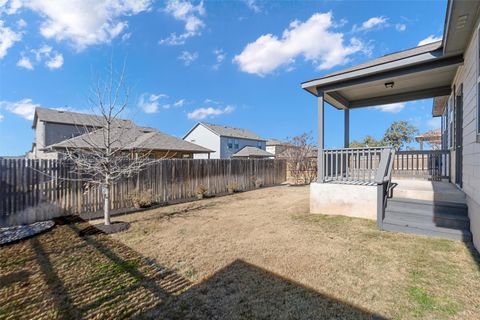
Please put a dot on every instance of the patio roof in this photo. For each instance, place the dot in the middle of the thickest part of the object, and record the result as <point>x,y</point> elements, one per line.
<point>418,73</point>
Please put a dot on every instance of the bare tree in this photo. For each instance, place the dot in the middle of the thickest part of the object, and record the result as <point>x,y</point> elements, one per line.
<point>301,154</point>
<point>109,148</point>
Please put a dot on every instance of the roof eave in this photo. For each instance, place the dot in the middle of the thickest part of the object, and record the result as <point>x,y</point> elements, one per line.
<point>312,85</point>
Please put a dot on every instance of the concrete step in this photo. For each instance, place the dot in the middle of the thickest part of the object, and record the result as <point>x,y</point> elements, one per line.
<point>428,190</point>
<point>391,224</point>
<point>430,195</point>
<point>424,207</point>
<point>444,220</point>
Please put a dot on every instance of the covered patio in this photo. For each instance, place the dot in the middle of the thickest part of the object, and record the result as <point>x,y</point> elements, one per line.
<point>358,181</point>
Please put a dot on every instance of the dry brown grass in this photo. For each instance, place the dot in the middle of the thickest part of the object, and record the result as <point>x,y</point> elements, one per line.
<point>395,275</point>
<point>251,255</point>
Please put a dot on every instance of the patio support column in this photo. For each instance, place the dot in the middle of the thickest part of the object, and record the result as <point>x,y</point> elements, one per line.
<point>321,137</point>
<point>346,128</point>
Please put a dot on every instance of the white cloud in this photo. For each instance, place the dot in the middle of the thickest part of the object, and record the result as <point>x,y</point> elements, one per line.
<point>188,57</point>
<point>149,103</point>
<point>25,62</point>
<point>85,23</point>
<point>253,5</point>
<point>52,58</point>
<point>179,103</point>
<point>401,27</point>
<point>374,22</point>
<point>188,13</point>
<point>55,62</point>
<point>392,107</point>
<point>10,7</point>
<point>202,113</point>
<point>219,57</point>
<point>1,117</point>
<point>312,39</point>
<point>21,23</point>
<point>24,108</point>
<point>8,37</point>
<point>429,39</point>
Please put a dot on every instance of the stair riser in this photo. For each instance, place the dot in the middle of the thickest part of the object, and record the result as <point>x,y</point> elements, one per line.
<point>429,195</point>
<point>425,209</point>
<point>425,219</point>
<point>403,229</point>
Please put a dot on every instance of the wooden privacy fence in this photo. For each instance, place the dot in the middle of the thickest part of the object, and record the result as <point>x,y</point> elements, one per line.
<point>36,190</point>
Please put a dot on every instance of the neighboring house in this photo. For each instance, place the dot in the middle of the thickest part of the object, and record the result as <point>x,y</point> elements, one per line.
<point>432,137</point>
<point>53,126</point>
<point>136,140</point>
<point>253,153</point>
<point>224,141</point>
<point>275,146</point>
<point>56,131</point>
<point>449,72</point>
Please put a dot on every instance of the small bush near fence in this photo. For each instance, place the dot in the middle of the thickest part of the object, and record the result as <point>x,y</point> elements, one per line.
<point>35,190</point>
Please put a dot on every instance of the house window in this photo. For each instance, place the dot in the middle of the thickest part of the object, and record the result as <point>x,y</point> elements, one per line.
<point>259,144</point>
<point>236,143</point>
<point>450,122</point>
<point>447,125</point>
<point>230,143</point>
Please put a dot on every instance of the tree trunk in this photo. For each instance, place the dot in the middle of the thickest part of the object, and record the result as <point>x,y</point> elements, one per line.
<point>106,204</point>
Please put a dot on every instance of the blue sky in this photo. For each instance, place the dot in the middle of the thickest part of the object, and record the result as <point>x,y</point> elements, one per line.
<point>237,63</point>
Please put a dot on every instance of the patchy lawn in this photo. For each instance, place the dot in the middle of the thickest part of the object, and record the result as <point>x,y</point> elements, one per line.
<point>257,254</point>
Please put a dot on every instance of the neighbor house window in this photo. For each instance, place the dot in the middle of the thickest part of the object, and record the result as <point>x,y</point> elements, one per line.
<point>259,145</point>
<point>236,143</point>
<point>230,143</point>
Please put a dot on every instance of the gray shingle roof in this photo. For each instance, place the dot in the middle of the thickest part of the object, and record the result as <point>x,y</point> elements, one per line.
<point>232,132</point>
<point>69,117</point>
<point>275,142</point>
<point>252,152</point>
<point>130,138</point>
<point>387,58</point>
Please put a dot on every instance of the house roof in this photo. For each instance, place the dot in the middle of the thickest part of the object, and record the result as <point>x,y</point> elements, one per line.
<point>418,73</point>
<point>385,59</point>
<point>69,117</point>
<point>439,104</point>
<point>226,131</point>
<point>131,138</point>
<point>275,142</point>
<point>434,135</point>
<point>253,152</point>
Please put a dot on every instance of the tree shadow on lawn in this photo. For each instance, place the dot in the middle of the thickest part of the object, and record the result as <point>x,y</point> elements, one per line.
<point>69,273</point>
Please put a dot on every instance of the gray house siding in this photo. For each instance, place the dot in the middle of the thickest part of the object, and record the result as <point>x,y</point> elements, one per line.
<point>47,133</point>
<point>57,132</point>
<point>467,75</point>
<point>227,152</point>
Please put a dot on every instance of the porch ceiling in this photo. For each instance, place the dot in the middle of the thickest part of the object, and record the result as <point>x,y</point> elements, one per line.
<point>415,73</point>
